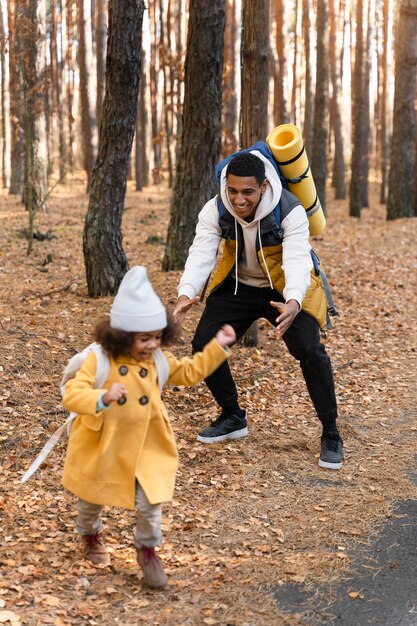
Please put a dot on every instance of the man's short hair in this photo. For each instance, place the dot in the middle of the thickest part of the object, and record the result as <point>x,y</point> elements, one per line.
<point>247,164</point>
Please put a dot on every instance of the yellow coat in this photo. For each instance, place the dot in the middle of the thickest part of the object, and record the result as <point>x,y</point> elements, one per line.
<point>109,450</point>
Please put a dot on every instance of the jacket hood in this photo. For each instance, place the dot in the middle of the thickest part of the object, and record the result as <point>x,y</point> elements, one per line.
<point>270,197</point>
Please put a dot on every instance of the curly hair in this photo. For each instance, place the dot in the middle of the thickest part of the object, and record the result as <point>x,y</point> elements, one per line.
<point>119,342</point>
<point>247,164</point>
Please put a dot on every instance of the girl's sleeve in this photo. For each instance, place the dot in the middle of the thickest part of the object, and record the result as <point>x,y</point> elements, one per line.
<point>190,371</point>
<point>79,396</point>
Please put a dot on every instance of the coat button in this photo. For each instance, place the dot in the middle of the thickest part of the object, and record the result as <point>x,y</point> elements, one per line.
<point>121,400</point>
<point>123,370</point>
<point>143,372</point>
<point>143,400</point>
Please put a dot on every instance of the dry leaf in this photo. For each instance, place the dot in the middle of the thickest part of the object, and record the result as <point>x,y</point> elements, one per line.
<point>51,600</point>
<point>9,616</point>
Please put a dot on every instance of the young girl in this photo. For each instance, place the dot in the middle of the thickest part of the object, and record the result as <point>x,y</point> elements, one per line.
<point>121,449</point>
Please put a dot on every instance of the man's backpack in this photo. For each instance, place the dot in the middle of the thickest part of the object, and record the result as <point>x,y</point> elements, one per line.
<point>102,372</point>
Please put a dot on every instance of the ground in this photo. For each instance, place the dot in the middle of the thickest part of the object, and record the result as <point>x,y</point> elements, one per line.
<point>250,517</point>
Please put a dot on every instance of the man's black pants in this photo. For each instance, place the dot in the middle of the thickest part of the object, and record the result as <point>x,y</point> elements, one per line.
<point>302,340</point>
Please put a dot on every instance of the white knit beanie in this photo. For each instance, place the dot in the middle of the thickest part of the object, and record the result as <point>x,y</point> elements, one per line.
<point>136,307</point>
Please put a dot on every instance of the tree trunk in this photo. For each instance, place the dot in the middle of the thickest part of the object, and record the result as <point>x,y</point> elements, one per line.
<point>141,143</point>
<point>154,89</point>
<point>165,63</point>
<point>255,74</point>
<point>255,79</point>
<point>4,90</point>
<point>357,173</point>
<point>403,153</point>
<point>308,100</point>
<point>16,106</point>
<point>200,141</point>
<point>280,103</point>
<point>366,121</point>
<point>383,107</point>
<point>42,108</point>
<point>100,54</point>
<point>335,115</point>
<point>87,135</point>
<point>29,40</point>
<point>104,257</point>
<point>180,22</point>
<point>295,73</point>
<point>69,13</point>
<point>321,104</point>
<point>229,140</point>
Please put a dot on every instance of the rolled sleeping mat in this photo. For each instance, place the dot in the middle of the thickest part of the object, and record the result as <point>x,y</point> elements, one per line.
<point>286,144</point>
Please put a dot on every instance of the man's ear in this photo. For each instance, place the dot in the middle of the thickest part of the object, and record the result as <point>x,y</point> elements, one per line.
<point>264,186</point>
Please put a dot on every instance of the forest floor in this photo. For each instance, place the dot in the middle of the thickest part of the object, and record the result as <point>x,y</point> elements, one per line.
<point>249,517</point>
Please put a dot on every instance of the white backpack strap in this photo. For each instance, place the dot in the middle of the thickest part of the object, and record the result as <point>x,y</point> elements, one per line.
<point>102,372</point>
<point>162,367</point>
<point>50,444</point>
<point>103,365</point>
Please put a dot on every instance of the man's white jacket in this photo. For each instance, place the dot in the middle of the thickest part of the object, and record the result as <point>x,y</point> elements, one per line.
<point>296,257</point>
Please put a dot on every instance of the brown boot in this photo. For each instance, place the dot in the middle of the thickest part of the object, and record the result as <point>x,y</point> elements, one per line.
<point>94,549</point>
<point>153,574</point>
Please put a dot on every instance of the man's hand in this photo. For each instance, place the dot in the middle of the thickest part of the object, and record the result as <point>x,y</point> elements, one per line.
<point>226,335</point>
<point>116,391</point>
<point>288,312</point>
<point>184,303</point>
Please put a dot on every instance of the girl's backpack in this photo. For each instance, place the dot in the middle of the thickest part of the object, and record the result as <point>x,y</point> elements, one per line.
<point>103,369</point>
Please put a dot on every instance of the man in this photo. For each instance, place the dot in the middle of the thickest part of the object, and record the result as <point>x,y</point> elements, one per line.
<point>266,267</point>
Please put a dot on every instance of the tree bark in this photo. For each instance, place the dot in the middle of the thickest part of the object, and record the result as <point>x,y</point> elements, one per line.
<point>335,115</point>
<point>165,64</point>
<point>383,107</point>
<point>401,174</point>
<point>3,89</point>
<point>229,113</point>
<point>141,141</point>
<point>16,107</point>
<point>104,257</point>
<point>200,141</point>
<point>321,104</point>
<point>255,79</point>
<point>100,54</point>
<point>366,121</point>
<point>155,100</point>
<point>308,130</point>
<point>255,74</point>
<point>357,171</point>
<point>280,102</point>
<point>87,135</point>
<point>295,73</point>
<point>69,13</point>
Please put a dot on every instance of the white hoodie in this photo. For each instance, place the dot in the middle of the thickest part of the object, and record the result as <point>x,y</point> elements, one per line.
<point>296,258</point>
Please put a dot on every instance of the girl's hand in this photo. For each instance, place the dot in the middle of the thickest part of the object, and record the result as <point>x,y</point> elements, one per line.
<point>226,336</point>
<point>116,391</point>
<point>288,311</point>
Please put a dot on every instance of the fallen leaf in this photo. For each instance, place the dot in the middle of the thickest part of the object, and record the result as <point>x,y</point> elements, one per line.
<point>9,616</point>
<point>51,600</point>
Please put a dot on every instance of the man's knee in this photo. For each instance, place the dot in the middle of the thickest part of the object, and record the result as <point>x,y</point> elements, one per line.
<point>308,352</point>
<point>201,338</point>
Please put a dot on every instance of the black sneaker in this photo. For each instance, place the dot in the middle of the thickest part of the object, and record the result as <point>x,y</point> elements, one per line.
<point>331,452</point>
<point>226,426</point>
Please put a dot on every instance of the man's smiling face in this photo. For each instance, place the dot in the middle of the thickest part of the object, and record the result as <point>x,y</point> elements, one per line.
<point>244,193</point>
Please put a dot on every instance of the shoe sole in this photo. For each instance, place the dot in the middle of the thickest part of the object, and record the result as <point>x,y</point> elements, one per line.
<point>327,465</point>
<point>237,434</point>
